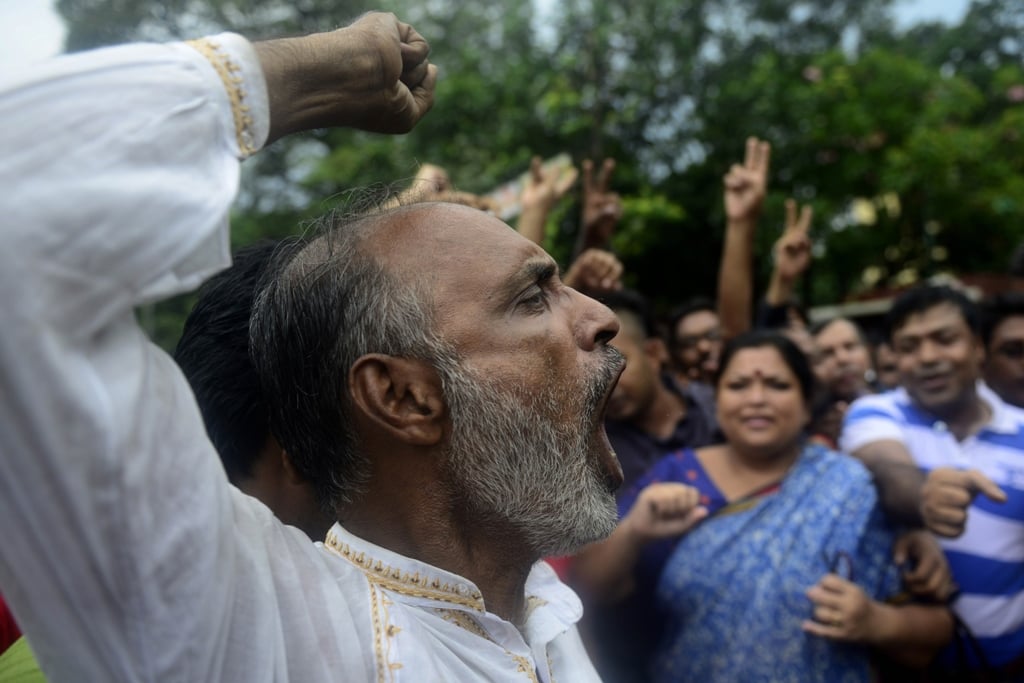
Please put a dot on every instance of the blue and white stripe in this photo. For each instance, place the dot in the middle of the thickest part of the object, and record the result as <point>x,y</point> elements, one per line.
<point>988,559</point>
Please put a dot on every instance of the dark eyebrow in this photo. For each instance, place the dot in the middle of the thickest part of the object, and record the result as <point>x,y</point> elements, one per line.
<point>539,271</point>
<point>536,271</point>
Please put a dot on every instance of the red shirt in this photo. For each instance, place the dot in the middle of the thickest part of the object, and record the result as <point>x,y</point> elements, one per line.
<point>9,631</point>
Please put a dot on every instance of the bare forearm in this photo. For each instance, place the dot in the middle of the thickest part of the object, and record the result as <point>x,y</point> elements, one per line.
<point>735,279</point>
<point>373,75</point>
<point>780,290</point>
<point>912,634</point>
<point>899,489</point>
<point>532,222</point>
<point>897,477</point>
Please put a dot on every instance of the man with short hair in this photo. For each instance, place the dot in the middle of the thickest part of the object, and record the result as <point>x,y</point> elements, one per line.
<point>695,341</point>
<point>841,362</point>
<point>1002,331</point>
<point>213,353</point>
<point>948,452</point>
<point>429,375</point>
<point>650,414</point>
<point>842,359</point>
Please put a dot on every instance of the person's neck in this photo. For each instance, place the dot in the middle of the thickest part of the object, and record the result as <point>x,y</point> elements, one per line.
<point>415,523</point>
<point>762,465</point>
<point>967,416</point>
<point>663,414</point>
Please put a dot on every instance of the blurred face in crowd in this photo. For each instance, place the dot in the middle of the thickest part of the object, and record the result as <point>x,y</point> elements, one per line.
<point>527,445</point>
<point>1004,361</point>
<point>698,344</point>
<point>797,332</point>
<point>939,359</point>
<point>886,370</point>
<point>640,381</point>
<point>761,408</point>
<point>841,359</point>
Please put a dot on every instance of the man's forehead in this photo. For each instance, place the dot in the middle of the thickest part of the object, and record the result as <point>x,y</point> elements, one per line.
<point>441,230</point>
<point>461,251</point>
<point>938,317</point>
<point>700,319</point>
<point>1010,326</point>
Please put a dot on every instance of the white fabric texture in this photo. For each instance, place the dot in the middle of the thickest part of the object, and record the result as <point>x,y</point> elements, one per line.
<point>126,555</point>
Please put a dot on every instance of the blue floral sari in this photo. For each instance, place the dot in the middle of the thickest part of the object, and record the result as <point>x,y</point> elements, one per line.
<point>733,590</point>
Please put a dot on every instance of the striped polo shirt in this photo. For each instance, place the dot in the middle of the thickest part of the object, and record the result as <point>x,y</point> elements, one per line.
<point>987,561</point>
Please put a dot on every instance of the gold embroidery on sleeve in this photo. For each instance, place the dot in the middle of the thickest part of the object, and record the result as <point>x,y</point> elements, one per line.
<point>228,72</point>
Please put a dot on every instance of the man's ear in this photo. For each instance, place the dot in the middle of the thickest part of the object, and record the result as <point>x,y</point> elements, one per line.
<point>402,396</point>
<point>656,349</point>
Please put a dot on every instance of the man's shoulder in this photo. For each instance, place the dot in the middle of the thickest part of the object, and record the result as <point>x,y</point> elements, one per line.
<point>894,405</point>
<point>1006,427</point>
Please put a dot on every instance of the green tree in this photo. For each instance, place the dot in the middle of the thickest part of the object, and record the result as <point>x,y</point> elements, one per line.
<point>922,127</point>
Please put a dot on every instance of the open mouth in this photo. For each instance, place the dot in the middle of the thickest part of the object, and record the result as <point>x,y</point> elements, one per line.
<point>757,422</point>
<point>610,465</point>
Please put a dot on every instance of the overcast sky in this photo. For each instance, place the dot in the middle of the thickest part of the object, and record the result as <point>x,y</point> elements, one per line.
<point>30,30</point>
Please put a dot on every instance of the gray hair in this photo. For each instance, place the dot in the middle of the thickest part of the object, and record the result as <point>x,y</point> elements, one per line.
<point>332,303</point>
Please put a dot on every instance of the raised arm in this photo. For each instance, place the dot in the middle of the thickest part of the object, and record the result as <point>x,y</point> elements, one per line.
<point>791,254</point>
<point>602,208</point>
<point>604,570</point>
<point>541,191</point>
<point>127,556</point>
<point>595,272</point>
<point>373,75</point>
<point>432,184</point>
<point>744,190</point>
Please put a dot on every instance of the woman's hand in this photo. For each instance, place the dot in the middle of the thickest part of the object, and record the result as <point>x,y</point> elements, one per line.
<point>664,510</point>
<point>842,611</point>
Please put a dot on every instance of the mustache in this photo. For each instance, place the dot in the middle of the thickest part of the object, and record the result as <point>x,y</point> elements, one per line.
<point>600,384</point>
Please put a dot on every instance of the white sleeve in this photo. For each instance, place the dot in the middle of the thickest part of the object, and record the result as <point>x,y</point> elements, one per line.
<point>121,551</point>
<point>867,420</point>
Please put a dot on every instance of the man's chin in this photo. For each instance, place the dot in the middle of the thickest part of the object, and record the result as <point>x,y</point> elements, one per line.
<point>596,527</point>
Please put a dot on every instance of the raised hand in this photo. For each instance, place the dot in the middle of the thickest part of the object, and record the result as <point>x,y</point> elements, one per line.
<point>602,208</point>
<point>373,75</point>
<point>746,184</point>
<point>432,184</point>
<point>595,271</point>
<point>947,493</point>
<point>792,251</point>
<point>664,510</point>
<point>543,189</point>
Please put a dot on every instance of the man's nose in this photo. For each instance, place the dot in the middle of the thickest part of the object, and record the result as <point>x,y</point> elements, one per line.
<point>595,323</point>
<point>928,352</point>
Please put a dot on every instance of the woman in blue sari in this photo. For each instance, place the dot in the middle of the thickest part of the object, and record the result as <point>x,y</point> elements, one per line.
<point>785,561</point>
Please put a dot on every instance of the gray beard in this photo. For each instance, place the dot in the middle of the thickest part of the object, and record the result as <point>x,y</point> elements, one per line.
<point>513,461</point>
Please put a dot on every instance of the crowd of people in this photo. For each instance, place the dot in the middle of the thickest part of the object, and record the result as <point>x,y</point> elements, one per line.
<point>404,447</point>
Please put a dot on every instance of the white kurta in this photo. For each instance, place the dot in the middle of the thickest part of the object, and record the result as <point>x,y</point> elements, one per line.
<point>124,552</point>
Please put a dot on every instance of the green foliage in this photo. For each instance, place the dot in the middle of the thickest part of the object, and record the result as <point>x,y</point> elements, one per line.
<point>923,128</point>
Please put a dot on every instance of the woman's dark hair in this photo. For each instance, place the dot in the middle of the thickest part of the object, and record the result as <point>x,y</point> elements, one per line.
<point>791,354</point>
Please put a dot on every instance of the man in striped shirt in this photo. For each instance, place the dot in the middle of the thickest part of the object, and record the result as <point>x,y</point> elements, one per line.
<point>948,453</point>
